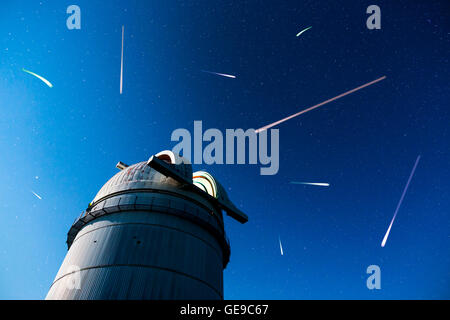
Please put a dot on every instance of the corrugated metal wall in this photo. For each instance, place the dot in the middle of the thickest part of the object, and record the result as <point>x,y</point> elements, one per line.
<point>142,255</point>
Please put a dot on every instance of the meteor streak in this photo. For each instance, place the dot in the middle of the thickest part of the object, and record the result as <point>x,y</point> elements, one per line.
<point>220,74</point>
<point>400,202</point>
<point>39,77</point>
<point>281,247</point>
<point>121,62</point>
<point>320,104</point>
<point>303,31</point>
<point>36,195</point>
<point>312,183</point>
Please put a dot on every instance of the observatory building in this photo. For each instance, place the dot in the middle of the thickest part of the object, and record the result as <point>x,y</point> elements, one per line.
<point>154,231</point>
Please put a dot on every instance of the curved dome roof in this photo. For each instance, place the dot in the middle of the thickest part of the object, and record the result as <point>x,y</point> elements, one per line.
<point>141,176</point>
<point>206,182</point>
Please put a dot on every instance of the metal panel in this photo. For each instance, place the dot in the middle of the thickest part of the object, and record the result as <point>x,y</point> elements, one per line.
<point>141,283</point>
<point>178,251</point>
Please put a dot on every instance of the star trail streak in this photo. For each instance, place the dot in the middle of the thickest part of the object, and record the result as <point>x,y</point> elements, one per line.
<point>304,30</point>
<point>220,74</point>
<point>121,62</point>
<point>36,195</point>
<point>383,243</point>
<point>281,247</point>
<point>318,105</point>
<point>39,77</point>
<point>321,184</point>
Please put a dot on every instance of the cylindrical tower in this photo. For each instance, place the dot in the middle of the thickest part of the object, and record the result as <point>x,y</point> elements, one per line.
<point>152,232</point>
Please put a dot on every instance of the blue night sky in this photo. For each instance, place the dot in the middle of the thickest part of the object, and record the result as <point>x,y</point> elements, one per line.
<point>63,142</point>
